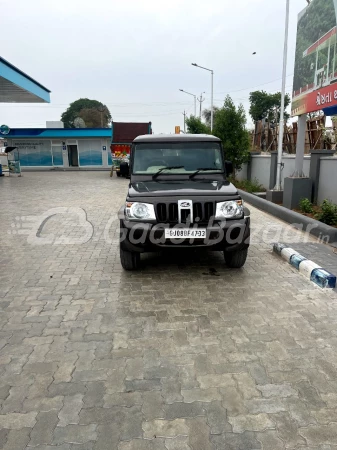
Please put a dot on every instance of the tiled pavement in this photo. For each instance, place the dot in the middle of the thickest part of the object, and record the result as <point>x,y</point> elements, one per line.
<point>174,357</point>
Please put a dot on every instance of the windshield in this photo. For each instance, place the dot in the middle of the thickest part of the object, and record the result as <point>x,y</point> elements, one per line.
<point>177,158</point>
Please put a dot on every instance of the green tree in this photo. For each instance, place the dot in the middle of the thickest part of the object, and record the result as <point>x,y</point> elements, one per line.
<point>84,104</point>
<point>230,127</point>
<point>207,115</point>
<point>267,106</point>
<point>195,126</point>
<point>93,118</point>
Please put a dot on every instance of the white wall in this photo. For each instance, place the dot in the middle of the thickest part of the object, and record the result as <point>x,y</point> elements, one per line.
<point>261,169</point>
<point>327,180</point>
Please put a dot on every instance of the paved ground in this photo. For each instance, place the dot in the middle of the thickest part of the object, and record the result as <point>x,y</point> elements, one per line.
<point>185,354</point>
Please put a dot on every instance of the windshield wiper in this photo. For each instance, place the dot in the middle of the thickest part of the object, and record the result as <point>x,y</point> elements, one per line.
<point>201,170</point>
<point>165,168</point>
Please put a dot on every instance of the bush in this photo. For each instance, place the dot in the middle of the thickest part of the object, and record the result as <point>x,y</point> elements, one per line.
<point>248,185</point>
<point>328,213</point>
<point>306,206</point>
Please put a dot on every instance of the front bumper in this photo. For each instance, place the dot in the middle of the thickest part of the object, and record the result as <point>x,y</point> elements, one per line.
<point>230,235</point>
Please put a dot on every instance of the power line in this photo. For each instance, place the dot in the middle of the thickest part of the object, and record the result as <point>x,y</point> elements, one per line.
<point>252,87</point>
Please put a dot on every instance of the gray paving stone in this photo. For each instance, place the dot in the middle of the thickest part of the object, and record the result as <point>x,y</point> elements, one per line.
<point>141,444</point>
<point>17,439</point>
<point>165,428</point>
<point>75,434</point>
<point>101,415</point>
<point>42,432</point>
<point>287,430</point>
<point>108,436</point>
<point>199,435</point>
<point>255,422</point>
<point>201,395</point>
<point>319,435</point>
<point>310,395</point>
<point>3,436</point>
<point>17,421</point>
<point>153,405</point>
<point>69,414</point>
<point>217,418</point>
<point>277,390</point>
<point>72,388</point>
<point>131,427</point>
<point>143,385</point>
<point>231,441</point>
<point>183,410</point>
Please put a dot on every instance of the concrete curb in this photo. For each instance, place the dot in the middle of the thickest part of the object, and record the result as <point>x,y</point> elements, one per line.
<point>309,269</point>
<point>299,221</point>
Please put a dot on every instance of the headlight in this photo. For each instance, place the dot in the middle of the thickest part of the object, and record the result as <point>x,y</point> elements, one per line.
<point>229,210</point>
<point>139,211</point>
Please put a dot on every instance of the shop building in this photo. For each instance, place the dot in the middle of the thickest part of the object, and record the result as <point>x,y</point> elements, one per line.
<point>86,148</point>
<point>61,147</point>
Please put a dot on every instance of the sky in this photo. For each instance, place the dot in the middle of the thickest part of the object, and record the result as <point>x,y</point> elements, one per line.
<point>135,55</point>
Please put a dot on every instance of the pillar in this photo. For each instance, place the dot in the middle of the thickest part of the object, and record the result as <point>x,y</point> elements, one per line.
<point>300,146</point>
<point>273,169</point>
<point>315,162</point>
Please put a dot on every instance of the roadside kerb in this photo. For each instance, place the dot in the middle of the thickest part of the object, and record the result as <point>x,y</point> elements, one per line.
<point>314,272</point>
<point>314,227</point>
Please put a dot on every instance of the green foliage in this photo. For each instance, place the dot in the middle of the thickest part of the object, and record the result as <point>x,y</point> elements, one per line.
<point>306,206</point>
<point>230,127</point>
<point>195,126</point>
<point>320,17</point>
<point>267,106</point>
<point>327,213</point>
<point>90,110</point>
<point>207,115</point>
<point>248,185</point>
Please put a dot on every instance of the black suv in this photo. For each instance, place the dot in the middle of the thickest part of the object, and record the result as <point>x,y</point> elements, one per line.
<point>179,197</point>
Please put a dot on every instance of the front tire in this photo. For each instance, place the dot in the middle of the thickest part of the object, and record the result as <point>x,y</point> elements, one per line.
<point>129,260</point>
<point>237,259</point>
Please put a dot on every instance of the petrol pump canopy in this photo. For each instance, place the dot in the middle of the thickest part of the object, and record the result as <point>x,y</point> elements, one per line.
<point>18,87</point>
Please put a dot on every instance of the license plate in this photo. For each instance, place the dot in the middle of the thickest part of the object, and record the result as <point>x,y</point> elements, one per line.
<point>179,233</point>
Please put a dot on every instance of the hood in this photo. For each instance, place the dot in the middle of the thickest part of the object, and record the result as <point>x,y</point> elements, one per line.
<point>181,187</point>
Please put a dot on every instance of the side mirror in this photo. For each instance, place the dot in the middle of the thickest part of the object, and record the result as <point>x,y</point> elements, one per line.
<point>229,168</point>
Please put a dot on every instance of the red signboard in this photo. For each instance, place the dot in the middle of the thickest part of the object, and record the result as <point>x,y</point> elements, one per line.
<point>118,150</point>
<point>314,100</point>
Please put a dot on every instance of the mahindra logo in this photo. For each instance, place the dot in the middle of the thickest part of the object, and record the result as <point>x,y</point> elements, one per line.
<point>185,205</point>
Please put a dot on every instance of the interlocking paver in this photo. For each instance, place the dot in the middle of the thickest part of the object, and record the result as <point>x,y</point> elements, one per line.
<point>167,358</point>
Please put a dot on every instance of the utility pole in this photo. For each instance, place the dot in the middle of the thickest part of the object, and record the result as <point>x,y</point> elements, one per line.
<point>284,77</point>
<point>101,110</point>
<point>200,100</point>
<point>184,114</point>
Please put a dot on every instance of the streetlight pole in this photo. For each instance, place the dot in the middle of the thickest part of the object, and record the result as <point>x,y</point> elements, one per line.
<point>195,100</point>
<point>200,100</point>
<point>212,75</point>
<point>284,75</point>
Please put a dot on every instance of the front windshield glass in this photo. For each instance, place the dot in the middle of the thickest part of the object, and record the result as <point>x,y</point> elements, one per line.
<point>179,158</point>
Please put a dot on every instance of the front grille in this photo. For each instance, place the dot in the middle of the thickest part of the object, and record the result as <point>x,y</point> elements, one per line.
<point>168,212</point>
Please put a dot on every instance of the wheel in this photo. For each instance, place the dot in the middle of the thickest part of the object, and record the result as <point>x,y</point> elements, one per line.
<point>237,259</point>
<point>129,260</point>
<point>118,174</point>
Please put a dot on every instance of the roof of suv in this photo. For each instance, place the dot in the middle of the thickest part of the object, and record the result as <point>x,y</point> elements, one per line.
<point>176,138</point>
